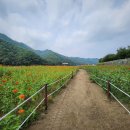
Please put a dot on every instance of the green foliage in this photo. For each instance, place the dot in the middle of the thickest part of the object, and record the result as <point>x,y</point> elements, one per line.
<point>118,75</point>
<point>58,59</point>
<point>12,55</point>
<point>54,58</point>
<point>10,41</point>
<point>108,57</point>
<point>82,61</point>
<point>26,80</point>
<point>122,53</point>
<point>17,53</point>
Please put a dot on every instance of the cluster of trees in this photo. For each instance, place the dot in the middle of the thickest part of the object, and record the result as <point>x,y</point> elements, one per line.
<point>122,53</point>
<point>13,55</point>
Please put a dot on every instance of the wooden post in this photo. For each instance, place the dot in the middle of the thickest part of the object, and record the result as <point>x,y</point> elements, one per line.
<point>46,100</point>
<point>72,75</point>
<point>108,89</point>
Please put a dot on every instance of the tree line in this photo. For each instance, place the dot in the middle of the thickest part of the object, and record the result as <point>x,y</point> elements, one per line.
<point>122,53</point>
<point>12,55</point>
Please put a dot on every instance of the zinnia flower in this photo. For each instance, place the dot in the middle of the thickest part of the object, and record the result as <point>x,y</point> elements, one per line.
<point>29,88</point>
<point>22,96</point>
<point>4,81</point>
<point>17,83</point>
<point>15,91</point>
<point>21,111</point>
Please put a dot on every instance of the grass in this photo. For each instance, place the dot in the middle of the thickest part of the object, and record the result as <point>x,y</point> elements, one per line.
<point>19,83</point>
<point>118,75</point>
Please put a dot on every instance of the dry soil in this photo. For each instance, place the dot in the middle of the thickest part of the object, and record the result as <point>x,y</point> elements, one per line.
<point>83,105</point>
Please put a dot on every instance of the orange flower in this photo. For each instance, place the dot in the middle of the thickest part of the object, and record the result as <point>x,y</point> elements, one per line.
<point>29,88</point>
<point>22,96</point>
<point>1,85</point>
<point>4,81</point>
<point>21,111</point>
<point>15,90</point>
<point>17,83</point>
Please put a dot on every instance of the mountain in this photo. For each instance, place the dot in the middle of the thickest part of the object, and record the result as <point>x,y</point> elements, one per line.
<point>15,53</point>
<point>82,61</point>
<point>13,42</point>
<point>18,53</point>
<point>54,58</point>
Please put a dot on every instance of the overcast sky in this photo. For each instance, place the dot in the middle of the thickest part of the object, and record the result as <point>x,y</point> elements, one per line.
<point>84,28</point>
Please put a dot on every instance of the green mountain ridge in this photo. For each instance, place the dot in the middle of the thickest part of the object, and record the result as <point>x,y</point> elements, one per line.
<point>53,56</point>
<point>18,53</point>
<point>10,41</point>
<point>81,61</point>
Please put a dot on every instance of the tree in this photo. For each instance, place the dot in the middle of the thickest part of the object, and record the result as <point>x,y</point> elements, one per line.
<point>122,53</point>
<point>13,55</point>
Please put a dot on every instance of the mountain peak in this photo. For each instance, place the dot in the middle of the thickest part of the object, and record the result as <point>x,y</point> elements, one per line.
<point>48,55</point>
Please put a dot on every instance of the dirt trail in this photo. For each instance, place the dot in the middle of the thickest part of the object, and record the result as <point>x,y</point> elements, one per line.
<point>83,106</point>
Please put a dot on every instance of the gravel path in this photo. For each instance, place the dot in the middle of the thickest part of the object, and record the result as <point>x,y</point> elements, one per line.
<point>83,105</point>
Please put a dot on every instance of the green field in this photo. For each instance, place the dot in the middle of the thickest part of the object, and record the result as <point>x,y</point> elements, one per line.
<point>117,75</point>
<point>19,83</point>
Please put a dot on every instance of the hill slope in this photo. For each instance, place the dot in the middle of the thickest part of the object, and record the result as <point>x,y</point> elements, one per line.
<point>81,61</point>
<point>14,53</point>
<point>54,58</point>
<point>17,53</point>
<point>10,41</point>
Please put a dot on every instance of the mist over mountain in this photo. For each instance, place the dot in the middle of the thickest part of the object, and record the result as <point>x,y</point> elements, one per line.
<point>18,53</point>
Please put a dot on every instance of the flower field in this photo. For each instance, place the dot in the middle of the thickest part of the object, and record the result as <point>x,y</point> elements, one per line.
<point>117,75</point>
<point>19,83</point>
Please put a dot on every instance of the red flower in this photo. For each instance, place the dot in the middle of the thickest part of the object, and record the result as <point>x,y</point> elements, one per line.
<point>15,91</point>
<point>21,111</point>
<point>17,83</point>
<point>4,81</point>
<point>29,88</point>
<point>22,96</point>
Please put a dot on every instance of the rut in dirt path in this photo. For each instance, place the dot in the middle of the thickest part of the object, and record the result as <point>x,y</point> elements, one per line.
<point>82,105</point>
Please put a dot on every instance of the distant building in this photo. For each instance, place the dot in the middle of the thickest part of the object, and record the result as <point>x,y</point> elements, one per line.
<point>65,63</point>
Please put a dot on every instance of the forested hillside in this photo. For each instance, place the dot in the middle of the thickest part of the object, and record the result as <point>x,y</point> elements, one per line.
<point>17,53</point>
<point>13,55</point>
<point>121,53</point>
<point>81,61</point>
<point>55,58</point>
<point>10,41</point>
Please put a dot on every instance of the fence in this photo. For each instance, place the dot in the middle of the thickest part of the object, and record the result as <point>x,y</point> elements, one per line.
<point>109,92</point>
<point>117,62</point>
<point>44,100</point>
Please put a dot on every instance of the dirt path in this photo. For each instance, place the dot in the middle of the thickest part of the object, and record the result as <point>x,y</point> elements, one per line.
<point>83,106</point>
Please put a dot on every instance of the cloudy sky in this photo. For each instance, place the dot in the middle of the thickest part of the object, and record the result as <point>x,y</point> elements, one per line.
<point>84,28</point>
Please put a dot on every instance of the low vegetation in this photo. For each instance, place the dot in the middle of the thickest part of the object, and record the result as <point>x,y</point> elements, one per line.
<point>118,75</point>
<point>19,83</point>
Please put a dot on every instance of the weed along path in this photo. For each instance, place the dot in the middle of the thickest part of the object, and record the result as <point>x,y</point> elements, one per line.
<point>83,105</point>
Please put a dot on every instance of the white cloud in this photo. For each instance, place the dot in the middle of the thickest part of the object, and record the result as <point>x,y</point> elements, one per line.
<point>85,28</point>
